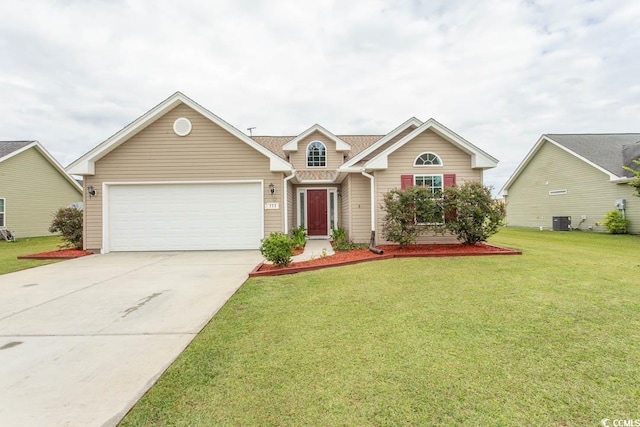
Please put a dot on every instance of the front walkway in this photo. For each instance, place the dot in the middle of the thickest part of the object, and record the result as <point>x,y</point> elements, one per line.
<point>314,249</point>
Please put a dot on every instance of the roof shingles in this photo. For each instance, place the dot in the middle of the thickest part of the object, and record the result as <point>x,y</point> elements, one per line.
<point>610,151</point>
<point>8,147</point>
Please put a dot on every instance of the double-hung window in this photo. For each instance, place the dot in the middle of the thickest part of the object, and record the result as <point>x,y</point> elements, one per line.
<point>435,184</point>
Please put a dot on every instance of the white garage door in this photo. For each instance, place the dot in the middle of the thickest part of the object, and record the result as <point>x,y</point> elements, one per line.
<point>164,217</point>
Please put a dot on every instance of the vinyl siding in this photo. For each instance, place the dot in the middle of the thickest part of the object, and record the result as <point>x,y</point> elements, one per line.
<point>299,158</point>
<point>400,163</point>
<point>345,214</point>
<point>33,190</point>
<point>360,214</point>
<point>208,153</point>
<point>390,142</point>
<point>589,192</point>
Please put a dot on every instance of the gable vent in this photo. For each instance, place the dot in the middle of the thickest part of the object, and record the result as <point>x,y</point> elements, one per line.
<point>182,126</point>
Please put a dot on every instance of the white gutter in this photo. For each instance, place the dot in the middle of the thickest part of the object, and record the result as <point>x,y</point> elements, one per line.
<point>621,180</point>
<point>373,199</point>
<point>286,205</point>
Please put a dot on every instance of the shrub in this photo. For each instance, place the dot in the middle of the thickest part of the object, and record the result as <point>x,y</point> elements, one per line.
<point>341,241</point>
<point>68,222</point>
<point>299,236</point>
<point>402,208</point>
<point>472,214</point>
<point>278,249</point>
<point>615,222</point>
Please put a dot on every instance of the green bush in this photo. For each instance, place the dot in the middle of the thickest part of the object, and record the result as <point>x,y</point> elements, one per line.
<point>68,222</point>
<point>299,236</point>
<point>402,207</point>
<point>615,222</point>
<point>278,249</point>
<point>341,241</point>
<point>471,213</point>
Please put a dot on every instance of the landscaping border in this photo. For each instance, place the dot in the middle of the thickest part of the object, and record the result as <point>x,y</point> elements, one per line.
<point>301,268</point>
<point>61,254</point>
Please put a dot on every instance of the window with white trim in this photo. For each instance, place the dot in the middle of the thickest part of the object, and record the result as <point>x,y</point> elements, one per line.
<point>2,212</point>
<point>428,159</point>
<point>316,155</point>
<point>435,183</point>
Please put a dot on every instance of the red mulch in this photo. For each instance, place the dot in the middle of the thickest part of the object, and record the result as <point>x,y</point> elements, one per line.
<point>60,254</point>
<point>390,251</point>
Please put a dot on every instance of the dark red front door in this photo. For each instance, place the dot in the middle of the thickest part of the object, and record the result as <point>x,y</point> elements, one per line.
<point>317,212</point>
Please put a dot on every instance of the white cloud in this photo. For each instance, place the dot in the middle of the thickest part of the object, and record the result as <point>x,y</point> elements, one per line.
<point>500,73</point>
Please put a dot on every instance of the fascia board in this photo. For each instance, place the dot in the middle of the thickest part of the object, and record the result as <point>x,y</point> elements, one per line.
<point>611,176</point>
<point>85,165</point>
<point>479,159</point>
<point>18,151</point>
<point>56,165</point>
<point>382,141</point>
<point>293,144</point>
<point>536,147</point>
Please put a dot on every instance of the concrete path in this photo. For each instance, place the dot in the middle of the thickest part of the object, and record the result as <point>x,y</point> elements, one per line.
<point>82,340</point>
<point>314,249</point>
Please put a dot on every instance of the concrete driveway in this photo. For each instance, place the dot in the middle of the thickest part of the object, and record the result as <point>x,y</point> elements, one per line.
<point>82,340</point>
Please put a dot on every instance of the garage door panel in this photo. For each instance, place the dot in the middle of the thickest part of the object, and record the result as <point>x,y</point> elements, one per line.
<point>184,216</point>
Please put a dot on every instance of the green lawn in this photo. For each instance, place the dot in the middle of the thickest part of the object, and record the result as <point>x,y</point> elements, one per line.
<point>549,338</point>
<point>9,251</point>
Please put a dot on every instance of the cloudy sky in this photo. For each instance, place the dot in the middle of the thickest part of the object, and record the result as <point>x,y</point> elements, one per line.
<point>499,73</point>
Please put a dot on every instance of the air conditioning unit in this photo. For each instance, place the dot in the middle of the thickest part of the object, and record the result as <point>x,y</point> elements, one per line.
<point>561,223</point>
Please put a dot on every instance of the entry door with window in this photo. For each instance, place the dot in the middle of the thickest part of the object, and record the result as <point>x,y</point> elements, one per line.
<point>317,213</point>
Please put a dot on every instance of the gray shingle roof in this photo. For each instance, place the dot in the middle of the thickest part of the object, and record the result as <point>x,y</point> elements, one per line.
<point>8,147</point>
<point>357,143</point>
<point>610,151</point>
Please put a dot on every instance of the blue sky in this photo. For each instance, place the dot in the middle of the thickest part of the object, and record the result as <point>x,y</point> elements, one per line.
<point>499,73</point>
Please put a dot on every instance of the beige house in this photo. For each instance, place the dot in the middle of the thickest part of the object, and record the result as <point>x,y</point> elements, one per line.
<point>181,178</point>
<point>571,182</point>
<point>33,186</point>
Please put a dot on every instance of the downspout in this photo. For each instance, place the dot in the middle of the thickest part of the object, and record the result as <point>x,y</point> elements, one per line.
<point>372,242</point>
<point>285,201</point>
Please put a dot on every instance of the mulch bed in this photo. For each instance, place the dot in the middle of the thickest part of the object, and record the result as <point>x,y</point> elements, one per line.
<point>390,251</point>
<point>60,254</point>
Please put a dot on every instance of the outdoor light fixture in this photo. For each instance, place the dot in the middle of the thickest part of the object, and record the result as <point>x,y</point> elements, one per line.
<point>91,191</point>
<point>272,189</point>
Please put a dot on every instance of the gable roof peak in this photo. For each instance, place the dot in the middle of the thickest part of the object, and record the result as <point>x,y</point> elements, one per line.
<point>292,145</point>
<point>85,165</point>
<point>9,149</point>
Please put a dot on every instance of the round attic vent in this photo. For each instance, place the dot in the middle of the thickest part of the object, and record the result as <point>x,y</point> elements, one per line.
<point>182,126</point>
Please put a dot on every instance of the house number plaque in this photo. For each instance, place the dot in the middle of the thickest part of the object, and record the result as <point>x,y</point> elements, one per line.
<point>269,206</point>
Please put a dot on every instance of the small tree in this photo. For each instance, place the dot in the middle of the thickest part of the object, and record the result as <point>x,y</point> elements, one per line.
<point>471,213</point>
<point>68,222</point>
<point>636,182</point>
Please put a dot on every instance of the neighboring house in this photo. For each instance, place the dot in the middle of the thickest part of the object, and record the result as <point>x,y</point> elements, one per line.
<point>576,176</point>
<point>33,186</point>
<point>181,178</point>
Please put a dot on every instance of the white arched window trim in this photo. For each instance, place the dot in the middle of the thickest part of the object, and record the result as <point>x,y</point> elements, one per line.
<point>419,161</point>
<point>317,161</point>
